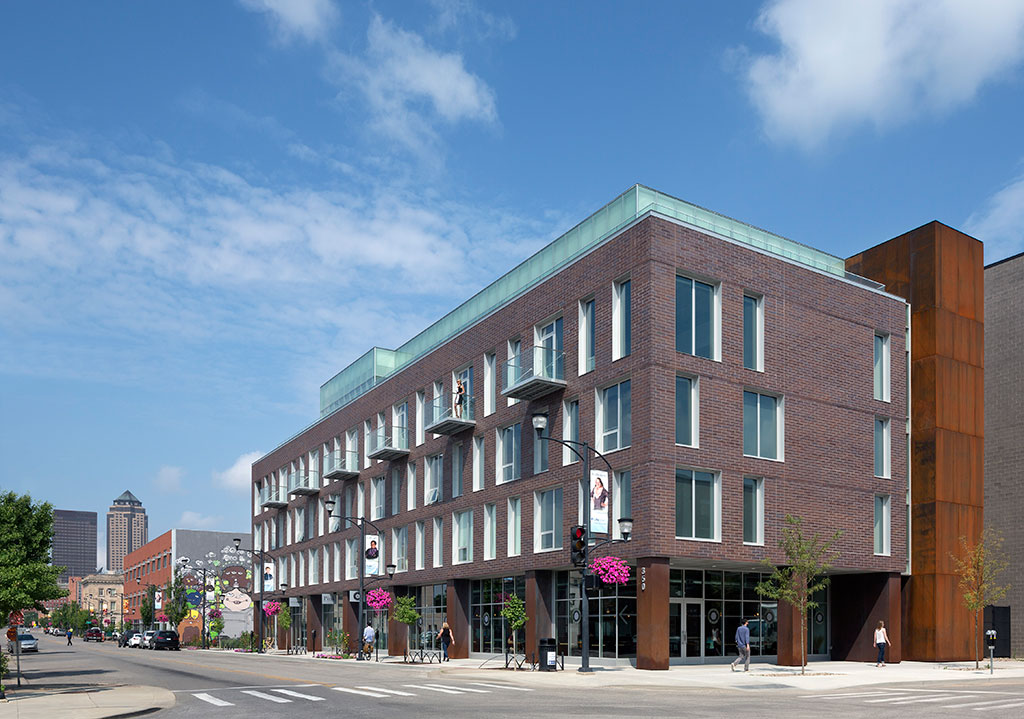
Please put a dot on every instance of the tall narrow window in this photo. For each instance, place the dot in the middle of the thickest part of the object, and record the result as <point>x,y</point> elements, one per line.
<point>462,539</point>
<point>697,505</point>
<point>438,542</point>
<point>399,548</point>
<point>696,325</point>
<point>588,336</point>
<point>547,513</point>
<point>457,470</point>
<point>421,549</point>
<point>351,460</point>
<point>622,320</point>
<point>432,479</point>
<point>540,451</point>
<point>548,358</point>
<point>753,332</point>
<point>377,498</point>
<point>509,451</point>
<point>515,527</point>
<point>882,530</point>
<point>753,510</point>
<point>881,367</point>
<point>490,382</point>
<point>367,434</point>
<point>686,411</point>
<point>479,464</point>
<point>421,400</point>
<point>614,417</point>
<point>410,489</point>
<point>490,531</point>
<point>351,559</point>
<point>882,447</point>
<point>622,499</point>
<point>762,422</point>
<point>515,366</point>
<point>570,428</point>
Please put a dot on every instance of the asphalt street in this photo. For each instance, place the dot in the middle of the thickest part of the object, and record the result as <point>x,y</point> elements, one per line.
<point>229,685</point>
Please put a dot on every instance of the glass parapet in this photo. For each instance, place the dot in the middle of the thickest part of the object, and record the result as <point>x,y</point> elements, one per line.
<point>341,460</point>
<point>542,363</point>
<point>394,438</point>
<point>303,479</point>
<point>273,495</point>
<point>448,406</point>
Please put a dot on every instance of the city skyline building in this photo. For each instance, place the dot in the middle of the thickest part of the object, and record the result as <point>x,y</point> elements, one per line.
<point>127,529</point>
<point>74,543</point>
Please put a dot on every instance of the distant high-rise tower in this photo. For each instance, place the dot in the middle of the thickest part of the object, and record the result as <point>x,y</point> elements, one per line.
<point>127,529</point>
<point>74,543</point>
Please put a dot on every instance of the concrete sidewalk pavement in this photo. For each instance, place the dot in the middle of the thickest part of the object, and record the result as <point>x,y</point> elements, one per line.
<point>98,702</point>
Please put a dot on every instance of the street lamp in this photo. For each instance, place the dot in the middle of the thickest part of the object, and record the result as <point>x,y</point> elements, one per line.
<point>262,580</point>
<point>390,569</point>
<point>195,568</point>
<point>540,423</point>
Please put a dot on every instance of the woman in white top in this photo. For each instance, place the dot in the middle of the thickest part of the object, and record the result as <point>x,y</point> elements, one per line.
<point>881,641</point>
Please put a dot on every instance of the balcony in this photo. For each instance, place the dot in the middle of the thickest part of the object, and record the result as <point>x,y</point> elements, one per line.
<point>445,416</point>
<point>389,445</point>
<point>273,497</point>
<point>534,373</point>
<point>304,482</point>
<point>341,464</point>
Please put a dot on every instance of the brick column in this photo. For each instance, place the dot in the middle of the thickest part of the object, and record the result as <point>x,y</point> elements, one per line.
<point>459,618</point>
<point>652,613</point>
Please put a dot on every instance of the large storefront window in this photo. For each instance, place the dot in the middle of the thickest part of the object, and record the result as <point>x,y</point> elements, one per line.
<point>432,604</point>
<point>490,635</point>
<point>817,625</point>
<point>612,617</point>
<point>298,628</point>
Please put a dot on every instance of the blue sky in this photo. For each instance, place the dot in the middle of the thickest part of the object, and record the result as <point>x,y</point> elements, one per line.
<point>208,209</point>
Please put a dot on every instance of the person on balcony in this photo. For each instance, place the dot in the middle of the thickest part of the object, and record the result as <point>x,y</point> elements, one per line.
<point>458,397</point>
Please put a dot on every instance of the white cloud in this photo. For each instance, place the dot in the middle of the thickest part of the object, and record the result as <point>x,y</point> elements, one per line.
<point>848,63</point>
<point>1000,224</point>
<point>168,479</point>
<point>467,16</point>
<point>195,520</point>
<point>310,20</point>
<point>238,477</point>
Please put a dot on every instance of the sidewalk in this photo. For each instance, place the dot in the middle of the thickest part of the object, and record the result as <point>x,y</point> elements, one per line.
<point>99,702</point>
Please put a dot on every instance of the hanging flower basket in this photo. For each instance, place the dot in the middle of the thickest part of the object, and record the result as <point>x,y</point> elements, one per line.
<point>379,599</point>
<point>610,570</point>
<point>162,618</point>
<point>215,614</point>
<point>272,608</point>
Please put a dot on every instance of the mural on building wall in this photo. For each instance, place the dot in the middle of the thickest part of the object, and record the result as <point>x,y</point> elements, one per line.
<point>228,589</point>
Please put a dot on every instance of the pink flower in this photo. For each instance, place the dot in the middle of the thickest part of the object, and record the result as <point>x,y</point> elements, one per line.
<point>162,618</point>
<point>379,599</point>
<point>610,570</point>
<point>271,608</point>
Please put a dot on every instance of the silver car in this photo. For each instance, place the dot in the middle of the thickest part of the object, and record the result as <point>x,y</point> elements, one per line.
<point>147,639</point>
<point>28,644</point>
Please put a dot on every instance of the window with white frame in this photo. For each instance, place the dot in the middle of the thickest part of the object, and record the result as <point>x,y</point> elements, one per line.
<point>570,429</point>
<point>421,547</point>
<point>338,559</point>
<point>687,409</point>
<point>462,537</point>
<point>515,527</point>
<point>367,432</point>
<point>377,498</point>
<point>540,450</point>
<point>881,367</point>
<point>698,505</point>
<point>439,400</point>
<point>883,539</point>
<point>547,513</point>
<point>490,531</point>
<point>351,558</point>
<point>762,425</point>
<point>515,357</point>
<point>614,417</point>
<point>299,524</point>
<point>882,447</point>
<point>326,570</point>
<point>301,564</point>
<point>753,510</point>
<point>361,500</point>
<point>588,336</point>
<point>396,491</point>
<point>438,555</point>
<point>548,360</point>
<point>410,488</point>
<point>490,382</point>
<point>457,470</point>
<point>622,499</point>
<point>311,518</point>
<point>432,479</point>
<point>420,418</point>
<point>753,332</point>
<point>479,464</point>
<point>399,548</point>
<point>509,443</point>
<point>698,318</point>
<point>349,505</point>
<point>351,449</point>
<point>622,320</point>
<point>314,566</point>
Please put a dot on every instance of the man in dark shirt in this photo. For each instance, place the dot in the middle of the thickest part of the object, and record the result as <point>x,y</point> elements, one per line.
<point>743,644</point>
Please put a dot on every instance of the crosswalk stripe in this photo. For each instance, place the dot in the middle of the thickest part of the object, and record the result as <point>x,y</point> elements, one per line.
<point>388,691</point>
<point>848,695</point>
<point>921,700</point>
<point>299,695</point>
<point>894,698</point>
<point>1004,706</point>
<point>976,704</point>
<point>433,689</point>
<point>268,697</point>
<point>460,688</point>
<point>500,686</point>
<point>213,700</point>
<point>361,693</point>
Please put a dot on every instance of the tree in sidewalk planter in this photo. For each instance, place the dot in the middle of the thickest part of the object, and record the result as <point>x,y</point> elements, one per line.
<point>513,611</point>
<point>405,612</point>
<point>379,600</point>
<point>284,623</point>
<point>339,639</point>
<point>978,568</point>
<point>803,575</point>
<point>26,533</point>
<point>175,601</point>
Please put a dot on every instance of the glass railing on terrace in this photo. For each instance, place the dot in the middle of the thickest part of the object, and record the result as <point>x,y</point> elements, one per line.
<point>393,438</point>
<point>304,480</point>
<point>273,495</point>
<point>341,461</point>
<point>450,406</point>
<point>535,363</point>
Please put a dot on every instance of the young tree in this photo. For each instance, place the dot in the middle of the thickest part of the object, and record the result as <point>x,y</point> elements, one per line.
<point>978,568</point>
<point>26,533</point>
<point>147,606</point>
<point>175,601</point>
<point>803,575</point>
<point>405,612</point>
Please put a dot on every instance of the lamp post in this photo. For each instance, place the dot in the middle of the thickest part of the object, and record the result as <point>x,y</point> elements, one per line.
<point>263,562</point>
<point>196,569</point>
<point>540,423</point>
<point>390,569</point>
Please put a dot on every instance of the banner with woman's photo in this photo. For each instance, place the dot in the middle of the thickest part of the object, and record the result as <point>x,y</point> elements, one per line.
<point>598,501</point>
<point>374,547</point>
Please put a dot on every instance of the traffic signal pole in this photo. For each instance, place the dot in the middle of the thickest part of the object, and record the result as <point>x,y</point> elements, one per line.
<point>585,614</point>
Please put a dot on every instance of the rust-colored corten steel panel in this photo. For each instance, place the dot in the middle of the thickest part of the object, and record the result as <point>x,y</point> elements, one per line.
<point>789,636</point>
<point>940,271</point>
<point>652,592</point>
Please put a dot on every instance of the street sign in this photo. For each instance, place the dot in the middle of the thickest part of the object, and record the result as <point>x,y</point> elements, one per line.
<point>12,633</point>
<point>353,595</point>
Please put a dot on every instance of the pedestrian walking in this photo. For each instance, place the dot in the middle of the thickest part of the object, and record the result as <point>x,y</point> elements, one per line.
<point>446,639</point>
<point>881,641</point>
<point>743,645</point>
<point>69,636</point>
<point>368,638</point>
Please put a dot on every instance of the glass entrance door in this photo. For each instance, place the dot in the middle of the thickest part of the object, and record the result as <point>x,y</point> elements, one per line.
<point>686,629</point>
<point>675,630</point>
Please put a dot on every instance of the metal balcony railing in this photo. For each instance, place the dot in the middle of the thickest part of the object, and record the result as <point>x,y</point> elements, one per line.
<point>389,443</point>
<point>273,496</point>
<point>450,414</point>
<point>341,464</point>
<point>536,372</point>
<point>304,482</point>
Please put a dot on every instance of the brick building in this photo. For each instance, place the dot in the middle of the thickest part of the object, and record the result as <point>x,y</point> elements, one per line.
<point>728,375</point>
<point>102,594</point>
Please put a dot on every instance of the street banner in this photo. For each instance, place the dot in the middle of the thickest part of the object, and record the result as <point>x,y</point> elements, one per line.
<point>268,577</point>
<point>372,556</point>
<point>598,501</point>
<point>158,599</point>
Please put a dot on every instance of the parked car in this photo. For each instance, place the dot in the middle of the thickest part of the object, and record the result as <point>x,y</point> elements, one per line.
<point>147,639</point>
<point>28,644</point>
<point>126,637</point>
<point>135,641</point>
<point>165,639</point>
<point>94,635</point>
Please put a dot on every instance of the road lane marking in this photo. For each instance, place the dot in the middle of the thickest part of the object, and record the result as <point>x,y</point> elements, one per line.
<point>459,688</point>
<point>893,698</point>
<point>388,691</point>
<point>500,686</point>
<point>361,693</point>
<point>946,698</point>
<point>298,695</point>
<point>251,686</point>
<point>268,697</point>
<point>432,689</point>
<point>847,695</point>
<point>976,704</point>
<point>213,700</point>
<point>1004,706</point>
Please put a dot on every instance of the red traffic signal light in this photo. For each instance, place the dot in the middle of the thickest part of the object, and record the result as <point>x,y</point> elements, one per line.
<point>578,545</point>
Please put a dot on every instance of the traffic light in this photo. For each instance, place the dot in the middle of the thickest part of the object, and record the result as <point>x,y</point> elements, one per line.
<point>578,538</point>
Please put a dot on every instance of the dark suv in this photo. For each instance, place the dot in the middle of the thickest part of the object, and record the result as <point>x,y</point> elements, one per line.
<point>94,635</point>
<point>165,639</point>
<point>126,637</point>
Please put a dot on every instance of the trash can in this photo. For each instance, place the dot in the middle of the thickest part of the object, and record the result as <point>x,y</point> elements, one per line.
<point>547,653</point>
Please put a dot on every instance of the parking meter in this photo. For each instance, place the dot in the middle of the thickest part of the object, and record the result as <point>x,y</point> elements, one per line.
<point>990,634</point>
